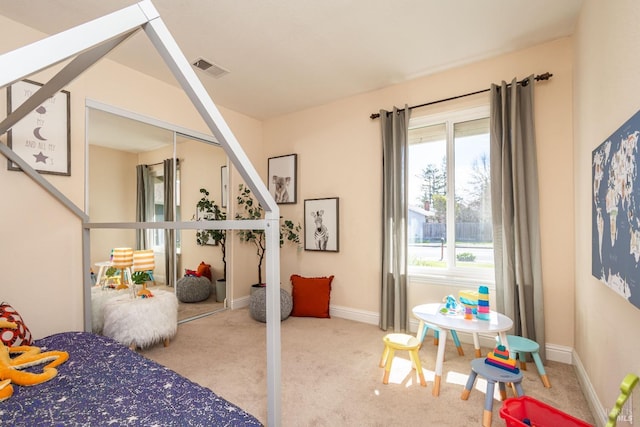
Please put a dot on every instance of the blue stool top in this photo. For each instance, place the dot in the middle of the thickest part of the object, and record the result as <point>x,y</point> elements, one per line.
<point>494,373</point>
<point>517,343</point>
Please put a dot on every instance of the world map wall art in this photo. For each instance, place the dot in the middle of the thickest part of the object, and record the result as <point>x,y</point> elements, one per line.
<point>616,212</point>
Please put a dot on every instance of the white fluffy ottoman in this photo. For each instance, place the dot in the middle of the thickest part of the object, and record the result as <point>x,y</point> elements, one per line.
<point>141,322</point>
<point>98,297</point>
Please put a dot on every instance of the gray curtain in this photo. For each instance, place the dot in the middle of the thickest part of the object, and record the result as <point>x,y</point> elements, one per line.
<point>169,215</point>
<point>143,209</point>
<point>393,304</point>
<point>514,200</point>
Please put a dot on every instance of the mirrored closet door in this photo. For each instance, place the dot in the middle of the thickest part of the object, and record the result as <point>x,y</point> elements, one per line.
<point>144,172</point>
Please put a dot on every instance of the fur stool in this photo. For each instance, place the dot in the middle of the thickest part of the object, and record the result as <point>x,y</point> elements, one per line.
<point>99,297</point>
<point>258,305</point>
<point>193,288</point>
<point>141,322</point>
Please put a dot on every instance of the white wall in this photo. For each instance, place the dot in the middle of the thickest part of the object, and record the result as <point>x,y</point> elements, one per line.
<point>606,94</point>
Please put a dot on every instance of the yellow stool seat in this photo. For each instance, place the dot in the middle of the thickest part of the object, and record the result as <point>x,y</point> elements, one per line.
<point>399,341</point>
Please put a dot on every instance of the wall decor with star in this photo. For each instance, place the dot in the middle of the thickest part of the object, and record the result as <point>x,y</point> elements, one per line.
<point>43,137</point>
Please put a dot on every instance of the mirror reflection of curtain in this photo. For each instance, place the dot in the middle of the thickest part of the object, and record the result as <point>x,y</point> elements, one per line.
<point>169,215</point>
<point>144,205</point>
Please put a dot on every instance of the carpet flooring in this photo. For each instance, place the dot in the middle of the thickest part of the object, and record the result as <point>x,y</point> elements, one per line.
<point>330,374</point>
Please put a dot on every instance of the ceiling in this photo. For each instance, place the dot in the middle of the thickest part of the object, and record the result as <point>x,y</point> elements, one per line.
<point>288,55</point>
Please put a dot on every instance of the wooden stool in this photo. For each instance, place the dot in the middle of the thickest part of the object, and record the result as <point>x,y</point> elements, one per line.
<point>424,327</point>
<point>521,346</point>
<point>493,375</point>
<point>393,342</point>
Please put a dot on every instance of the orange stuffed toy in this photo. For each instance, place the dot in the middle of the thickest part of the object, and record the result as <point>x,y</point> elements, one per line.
<point>204,270</point>
<point>27,356</point>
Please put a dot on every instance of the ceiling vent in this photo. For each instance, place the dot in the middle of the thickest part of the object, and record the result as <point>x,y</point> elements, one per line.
<point>210,68</point>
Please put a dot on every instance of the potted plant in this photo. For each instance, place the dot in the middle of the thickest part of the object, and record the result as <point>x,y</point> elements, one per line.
<point>141,278</point>
<point>211,211</point>
<point>249,209</point>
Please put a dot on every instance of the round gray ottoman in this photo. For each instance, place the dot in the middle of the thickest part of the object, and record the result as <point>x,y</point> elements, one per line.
<point>258,305</point>
<point>193,289</point>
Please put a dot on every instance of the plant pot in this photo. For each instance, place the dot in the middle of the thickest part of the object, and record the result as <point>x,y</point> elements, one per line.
<point>221,290</point>
<point>256,287</point>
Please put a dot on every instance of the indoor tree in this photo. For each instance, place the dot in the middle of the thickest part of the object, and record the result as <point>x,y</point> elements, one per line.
<point>250,209</point>
<point>211,211</point>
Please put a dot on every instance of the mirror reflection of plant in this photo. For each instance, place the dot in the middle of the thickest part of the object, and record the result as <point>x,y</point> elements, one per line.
<point>140,277</point>
<point>251,209</point>
<point>211,211</point>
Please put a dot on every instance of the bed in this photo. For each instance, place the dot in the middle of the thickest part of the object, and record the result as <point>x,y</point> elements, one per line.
<point>105,383</point>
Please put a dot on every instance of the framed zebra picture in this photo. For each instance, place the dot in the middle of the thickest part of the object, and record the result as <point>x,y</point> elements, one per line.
<point>321,224</point>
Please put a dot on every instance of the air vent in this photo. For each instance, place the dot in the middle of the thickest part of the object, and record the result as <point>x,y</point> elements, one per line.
<point>210,68</point>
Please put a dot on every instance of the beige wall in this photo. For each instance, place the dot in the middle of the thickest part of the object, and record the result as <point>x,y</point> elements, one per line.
<point>607,339</point>
<point>339,154</point>
<point>41,240</point>
<point>338,148</point>
<point>111,199</point>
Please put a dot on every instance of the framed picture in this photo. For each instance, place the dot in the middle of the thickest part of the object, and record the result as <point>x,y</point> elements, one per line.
<point>282,178</point>
<point>321,224</point>
<point>224,186</point>
<point>43,137</point>
<point>203,237</point>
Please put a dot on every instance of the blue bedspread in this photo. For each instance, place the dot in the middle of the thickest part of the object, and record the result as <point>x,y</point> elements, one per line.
<point>104,383</point>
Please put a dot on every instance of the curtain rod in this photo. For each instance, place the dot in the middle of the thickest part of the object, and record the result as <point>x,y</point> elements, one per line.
<point>524,82</point>
<point>160,163</point>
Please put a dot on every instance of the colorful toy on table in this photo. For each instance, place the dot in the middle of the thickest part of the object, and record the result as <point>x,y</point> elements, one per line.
<point>483,303</point>
<point>469,300</point>
<point>450,305</point>
<point>500,358</point>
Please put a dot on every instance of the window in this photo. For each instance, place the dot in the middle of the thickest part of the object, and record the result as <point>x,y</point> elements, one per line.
<point>449,230</point>
<point>156,194</point>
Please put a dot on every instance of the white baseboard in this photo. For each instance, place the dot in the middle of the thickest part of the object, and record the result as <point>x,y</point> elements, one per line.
<point>555,353</point>
<point>598,411</point>
<point>363,316</point>
<point>239,302</point>
<point>559,353</point>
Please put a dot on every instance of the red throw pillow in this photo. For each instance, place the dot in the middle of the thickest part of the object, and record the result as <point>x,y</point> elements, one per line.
<point>204,270</point>
<point>13,337</point>
<point>310,296</point>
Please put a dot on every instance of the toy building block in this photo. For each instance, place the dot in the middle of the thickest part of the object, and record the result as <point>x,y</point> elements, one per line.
<point>469,300</point>
<point>483,303</point>
<point>500,358</point>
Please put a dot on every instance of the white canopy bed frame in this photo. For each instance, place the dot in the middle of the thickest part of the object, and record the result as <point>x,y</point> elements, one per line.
<point>88,43</point>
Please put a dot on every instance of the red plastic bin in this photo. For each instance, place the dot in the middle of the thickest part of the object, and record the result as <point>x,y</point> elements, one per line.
<point>516,409</point>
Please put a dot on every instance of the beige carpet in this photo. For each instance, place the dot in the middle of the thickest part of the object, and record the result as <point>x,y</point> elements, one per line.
<point>330,374</point>
<point>188,310</point>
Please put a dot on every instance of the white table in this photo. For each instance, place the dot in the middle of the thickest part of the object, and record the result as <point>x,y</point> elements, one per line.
<point>102,267</point>
<point>430,313</point>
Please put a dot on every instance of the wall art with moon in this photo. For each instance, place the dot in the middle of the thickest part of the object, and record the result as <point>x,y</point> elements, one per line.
<point>43,137</point>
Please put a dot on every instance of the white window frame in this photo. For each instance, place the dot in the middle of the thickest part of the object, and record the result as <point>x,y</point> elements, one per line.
<point>451,275</point>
